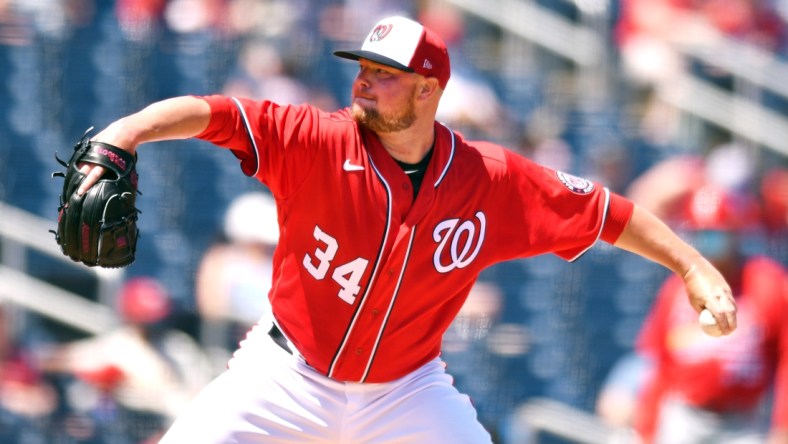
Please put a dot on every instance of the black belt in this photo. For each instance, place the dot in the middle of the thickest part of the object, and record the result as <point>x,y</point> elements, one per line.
<point>279,338</point>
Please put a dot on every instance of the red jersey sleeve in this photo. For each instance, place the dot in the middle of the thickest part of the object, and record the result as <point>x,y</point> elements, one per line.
<point>561,213</point>
<point>619,212</point>
<point>262,135</point>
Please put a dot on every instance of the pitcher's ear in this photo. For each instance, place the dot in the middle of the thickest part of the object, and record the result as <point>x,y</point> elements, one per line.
<point>429,86</point>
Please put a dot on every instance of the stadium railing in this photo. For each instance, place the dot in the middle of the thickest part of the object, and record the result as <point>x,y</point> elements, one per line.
<point>21,231</point>
<point>585,46</point>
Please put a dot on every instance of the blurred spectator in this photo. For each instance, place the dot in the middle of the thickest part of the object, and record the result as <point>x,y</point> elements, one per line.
<point>15,29</point>
<point>649,31</point>
<point>262,74</point>
<point>705,389</point>
<point>542,140</point>
<point>752,21</point>
<point>608,160</point>
<point>653,38</point>
<point>140,24</point>
<point>483,350</point>
<point>644,33</point>
<point>27,399</point>
<point>51,19</point>
<point>553,152</point>
<point>234,275</point>
<point>469,104</point>
<point>616,402</point>
<point>193,16</point>
<point>270,19</point>
<point>139,19</point>
<point>774,197</point>
<point>467,351</point>
<point>665,187</point>
<point>478,315</point>
<point>142,371</point>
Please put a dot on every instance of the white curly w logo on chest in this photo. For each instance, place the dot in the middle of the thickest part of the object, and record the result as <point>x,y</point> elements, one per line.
<point>462,238</point>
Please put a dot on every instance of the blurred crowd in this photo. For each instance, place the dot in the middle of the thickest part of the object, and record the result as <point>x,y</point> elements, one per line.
<point>92,61</point>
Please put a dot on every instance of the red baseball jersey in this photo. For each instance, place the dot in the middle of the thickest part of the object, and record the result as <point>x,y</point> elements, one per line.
<point>367,279</point>
<point>726,374</point>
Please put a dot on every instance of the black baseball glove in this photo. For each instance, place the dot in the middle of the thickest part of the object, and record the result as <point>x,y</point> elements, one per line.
<point>99,227</point>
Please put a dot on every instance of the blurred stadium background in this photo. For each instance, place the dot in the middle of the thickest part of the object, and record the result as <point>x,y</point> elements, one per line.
<point>573,84</point>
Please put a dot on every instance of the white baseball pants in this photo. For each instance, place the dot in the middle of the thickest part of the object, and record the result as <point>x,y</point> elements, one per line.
<point>270,396</point>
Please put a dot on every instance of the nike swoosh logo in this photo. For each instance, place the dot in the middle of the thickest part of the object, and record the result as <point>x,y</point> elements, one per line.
<point>347,166</point>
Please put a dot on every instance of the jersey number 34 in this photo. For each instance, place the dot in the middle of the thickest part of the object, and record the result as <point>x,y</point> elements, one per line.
<point>346,275</point>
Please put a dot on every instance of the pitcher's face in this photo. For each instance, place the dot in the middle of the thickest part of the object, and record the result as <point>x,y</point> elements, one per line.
<point>383,98</point>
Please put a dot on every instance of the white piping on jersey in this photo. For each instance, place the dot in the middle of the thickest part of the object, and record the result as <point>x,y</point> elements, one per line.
<point>372,277</point>
<point>391,305</point>
<point>601,228</point>
<point>451,157</point>
<point>248,133</point>
<point>378,262</point>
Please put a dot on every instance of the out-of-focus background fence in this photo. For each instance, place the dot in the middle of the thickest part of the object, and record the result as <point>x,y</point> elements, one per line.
<point>579,85</point>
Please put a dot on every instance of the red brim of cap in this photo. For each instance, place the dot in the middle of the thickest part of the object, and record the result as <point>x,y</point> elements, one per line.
<point>373,56</point>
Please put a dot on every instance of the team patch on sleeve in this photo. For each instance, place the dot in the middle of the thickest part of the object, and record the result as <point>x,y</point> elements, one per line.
<point>575,184</point>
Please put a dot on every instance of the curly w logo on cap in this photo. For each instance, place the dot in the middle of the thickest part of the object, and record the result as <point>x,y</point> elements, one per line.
<point>380,32</point>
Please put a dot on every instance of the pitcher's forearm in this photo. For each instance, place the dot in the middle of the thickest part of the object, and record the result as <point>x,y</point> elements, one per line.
<point>647,236</point>
<point>176,118</point>
<point>650,238</point>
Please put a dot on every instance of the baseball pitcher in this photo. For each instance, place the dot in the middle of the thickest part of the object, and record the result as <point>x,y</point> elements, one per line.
<point>386,219</point>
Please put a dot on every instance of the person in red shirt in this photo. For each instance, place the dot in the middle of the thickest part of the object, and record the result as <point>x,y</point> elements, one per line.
<point>386,219</point>
<point>705,390</point>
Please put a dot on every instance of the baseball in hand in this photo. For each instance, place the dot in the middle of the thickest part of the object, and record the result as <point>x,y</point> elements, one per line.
<point>708,324</point>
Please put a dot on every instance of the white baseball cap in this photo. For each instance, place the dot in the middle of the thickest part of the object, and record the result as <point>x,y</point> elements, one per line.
<point>407,45</point>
